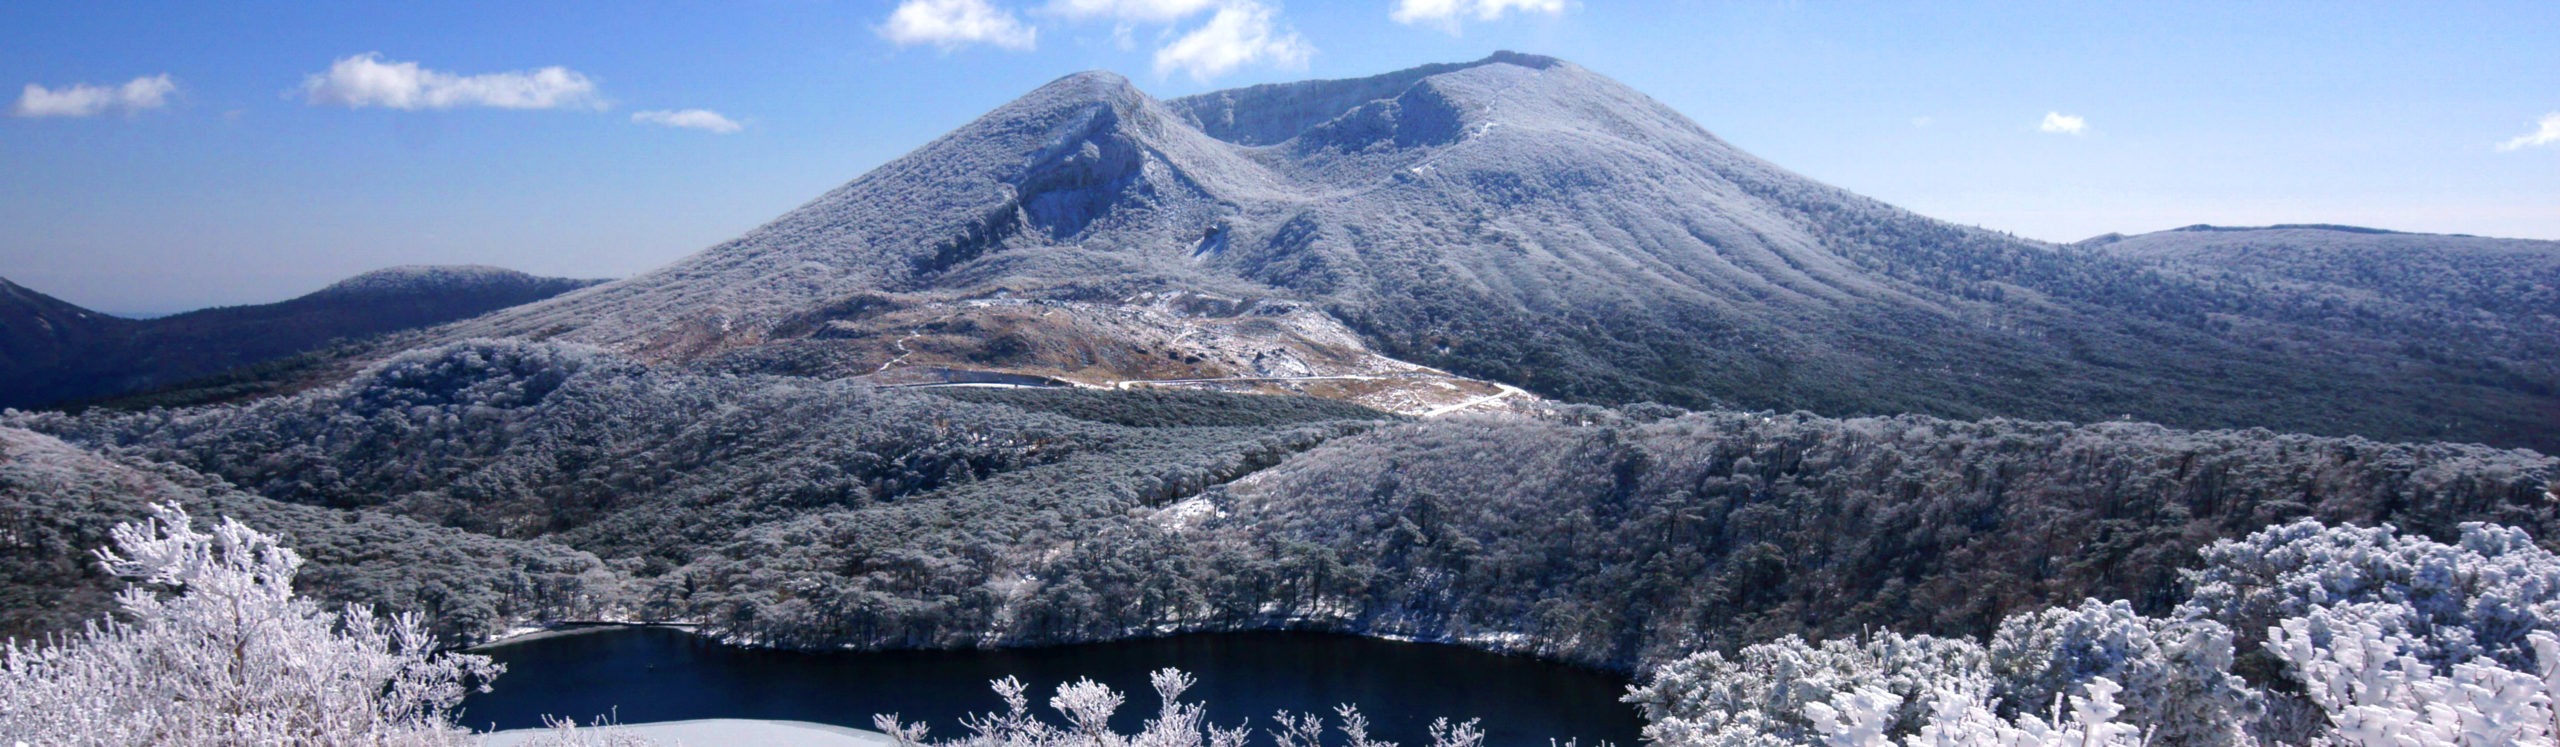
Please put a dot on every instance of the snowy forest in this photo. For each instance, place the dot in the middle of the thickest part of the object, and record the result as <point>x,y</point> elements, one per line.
<point>1771,578</point>
<point>910,519</point>
<point>2375,638</point>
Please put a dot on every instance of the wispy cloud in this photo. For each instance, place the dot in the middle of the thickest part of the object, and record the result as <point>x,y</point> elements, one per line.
<point>1923,121</point>
<point>367,80</point>
<point>1448,14</point>
<point>1239,34</point>
<point>2548,134</point>
<point>1140,11</point>
<point>951,24</point>
<point>2063,124</point>
<point>691,119</point>
<point>84,100</point>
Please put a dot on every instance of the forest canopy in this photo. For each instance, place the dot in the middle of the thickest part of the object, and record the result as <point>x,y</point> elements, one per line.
<point>796,512</point>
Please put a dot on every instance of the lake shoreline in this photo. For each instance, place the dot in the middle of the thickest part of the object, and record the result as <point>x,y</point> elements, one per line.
<point>1501,644</point>
<point>581,627</point>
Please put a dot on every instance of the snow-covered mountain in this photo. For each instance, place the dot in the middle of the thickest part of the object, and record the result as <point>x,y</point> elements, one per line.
<point>1518,219</point>
<point>699,443</point>
<point>52,351</point>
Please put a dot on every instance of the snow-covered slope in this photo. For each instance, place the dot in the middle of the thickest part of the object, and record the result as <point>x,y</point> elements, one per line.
<point>1528,221</point>
<point>1515,172</point>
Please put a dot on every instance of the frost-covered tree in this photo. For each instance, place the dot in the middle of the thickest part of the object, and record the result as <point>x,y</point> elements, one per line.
<point>2382,628</point>
<point>2378,639</point>
<point>2367,675</point>
<point>1864,718</point>
<point>1307,730</point>
<point>1886,690</point>
<point>1087,707</point>
<point>213,648</point>
<point>2174,675</point>
<point>2480,596</point>
<point>1768,694</point>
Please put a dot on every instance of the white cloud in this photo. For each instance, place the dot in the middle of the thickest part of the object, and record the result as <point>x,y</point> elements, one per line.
<point>84,100</point>
<point>1923,121</point>
<point>951,24</point>
<point>2066,124</point>
<point>1447,14</point>
<point>2548,134</point>
<point>1241,33</point>
<point>366,80</point>
<point>691,119</point>
<point>1141,11</point>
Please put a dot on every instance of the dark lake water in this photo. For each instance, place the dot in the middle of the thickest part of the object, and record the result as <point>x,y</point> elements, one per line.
<point>656,674</point>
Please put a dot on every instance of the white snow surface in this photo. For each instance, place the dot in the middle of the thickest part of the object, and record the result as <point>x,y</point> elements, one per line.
<point>720,732</point>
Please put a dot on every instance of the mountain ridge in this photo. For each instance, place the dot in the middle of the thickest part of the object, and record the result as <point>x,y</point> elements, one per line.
<point>53,351</point>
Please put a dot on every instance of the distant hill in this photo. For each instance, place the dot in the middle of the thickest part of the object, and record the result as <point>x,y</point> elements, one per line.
<point>2508,283</point>
<point>52,352</point>
<point>2478,316</point>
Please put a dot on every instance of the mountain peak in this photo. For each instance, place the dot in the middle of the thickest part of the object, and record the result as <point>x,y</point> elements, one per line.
<point>1096,79</point>
<point>1271,113</point>
<point>1523,59</point>
<point>1071,93</point>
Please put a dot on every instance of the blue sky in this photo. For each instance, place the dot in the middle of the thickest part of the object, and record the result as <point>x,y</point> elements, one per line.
<point>163,156</point>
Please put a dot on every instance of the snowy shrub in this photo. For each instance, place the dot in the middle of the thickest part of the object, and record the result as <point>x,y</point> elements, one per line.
<point>2391,638</point>
<point>1885,691</point>
<point>1088,705</point>
<point>1863,718</point>
<point>2359,666</point>
<point>2382,640</point>
<point>2479,597</point>
<point>2175,674</point>
<point>1767,693</point>
<point>213,648</point>
<point>1307,730</point>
